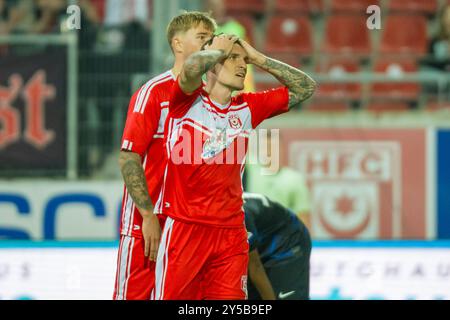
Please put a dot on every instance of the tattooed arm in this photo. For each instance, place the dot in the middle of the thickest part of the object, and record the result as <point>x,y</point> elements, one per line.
<point>134,177</point>
<point>200,62</point>
<point>300,85</point>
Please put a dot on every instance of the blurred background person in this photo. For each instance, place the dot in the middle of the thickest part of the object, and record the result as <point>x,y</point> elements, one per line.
<point>49,14</point>
<point>283,184</point>
<point>280,251</point>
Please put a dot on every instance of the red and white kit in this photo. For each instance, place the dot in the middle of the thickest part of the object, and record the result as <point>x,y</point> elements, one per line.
<point>143,134</point>
<point>204,249</point>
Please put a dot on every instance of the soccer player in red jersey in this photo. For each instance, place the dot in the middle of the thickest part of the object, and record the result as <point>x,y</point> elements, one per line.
<point>204,249</point>
<point>142,161</point>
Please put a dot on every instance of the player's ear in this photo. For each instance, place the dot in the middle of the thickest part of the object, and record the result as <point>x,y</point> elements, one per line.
<point>177,44</point>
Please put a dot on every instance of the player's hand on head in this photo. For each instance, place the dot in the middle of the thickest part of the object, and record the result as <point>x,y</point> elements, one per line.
<point>253,55</point>
<point>223,42</point>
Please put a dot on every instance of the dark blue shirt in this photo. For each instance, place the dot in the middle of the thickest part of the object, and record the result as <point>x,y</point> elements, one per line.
<point>274,230</point>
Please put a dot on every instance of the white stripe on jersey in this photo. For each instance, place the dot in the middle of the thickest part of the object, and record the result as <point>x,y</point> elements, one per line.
<point>125,144</point>
<point>162,259</point>
<point>210,108</point>
<point>166,257</point>
<point>123,267</point>
<point>144,104</point>
<point>239,106</point>
<point>130,258</point>
<point>119,259</point>
<point>152,294</point>
<point>142,92</point>
<point>124,208</point>
<point>158,206</point>
<point>158,136</point>
<point>127,215</point>
<point>164,104</point>
<point>159,268</point>
<point>195,126</point>
<point>145,161</point>
<point>169,135</point>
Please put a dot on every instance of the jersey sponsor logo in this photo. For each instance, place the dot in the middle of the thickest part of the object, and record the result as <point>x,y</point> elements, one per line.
<point>214,144</point>
<point>283,295</point>
<point>136,227</point>
<point>167,204</point>
<point>235,121</point>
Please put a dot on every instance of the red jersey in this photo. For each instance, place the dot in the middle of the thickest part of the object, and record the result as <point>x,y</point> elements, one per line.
<point>206,144</point>
<point>143,134</point>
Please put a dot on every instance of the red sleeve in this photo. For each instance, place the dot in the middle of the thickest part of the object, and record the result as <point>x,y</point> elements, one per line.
<point>141,123</point>
<point>180,102</point>
<point>267,104</point>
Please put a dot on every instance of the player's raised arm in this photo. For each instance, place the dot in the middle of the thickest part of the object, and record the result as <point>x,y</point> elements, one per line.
<point>300,85</point>
<point>200,62</point>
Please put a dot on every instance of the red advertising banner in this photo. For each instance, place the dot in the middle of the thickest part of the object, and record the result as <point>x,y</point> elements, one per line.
<point>364,183</point>
<point>33,112</point>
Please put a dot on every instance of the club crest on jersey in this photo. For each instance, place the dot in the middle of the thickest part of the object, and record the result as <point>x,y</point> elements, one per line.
<point>235,121</point>
<point>214,144</point>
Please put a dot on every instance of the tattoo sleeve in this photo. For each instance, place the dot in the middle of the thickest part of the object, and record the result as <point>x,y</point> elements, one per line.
<point>300,85</point>
<point>134,177</point>
<point>200,62</point>
<point>195,66</point>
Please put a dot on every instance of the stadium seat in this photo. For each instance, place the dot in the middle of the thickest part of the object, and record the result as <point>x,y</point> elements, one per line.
<point>413,6</point>
<point>287,34</point>
<point>394,69</point>
<point>242,6</point>
<point>331,106</point>
<point>299,6</point>
<point>387,106</point>
<point>347,34</point>
<point>337,69</point>
<point>352,5</point>
<point>404,34</point>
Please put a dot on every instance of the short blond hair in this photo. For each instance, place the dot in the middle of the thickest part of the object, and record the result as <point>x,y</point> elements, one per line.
<point>187,20</point>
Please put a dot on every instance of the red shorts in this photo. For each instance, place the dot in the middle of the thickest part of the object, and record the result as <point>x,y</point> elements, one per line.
<point>135,276</point>
<point>201,262</point>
